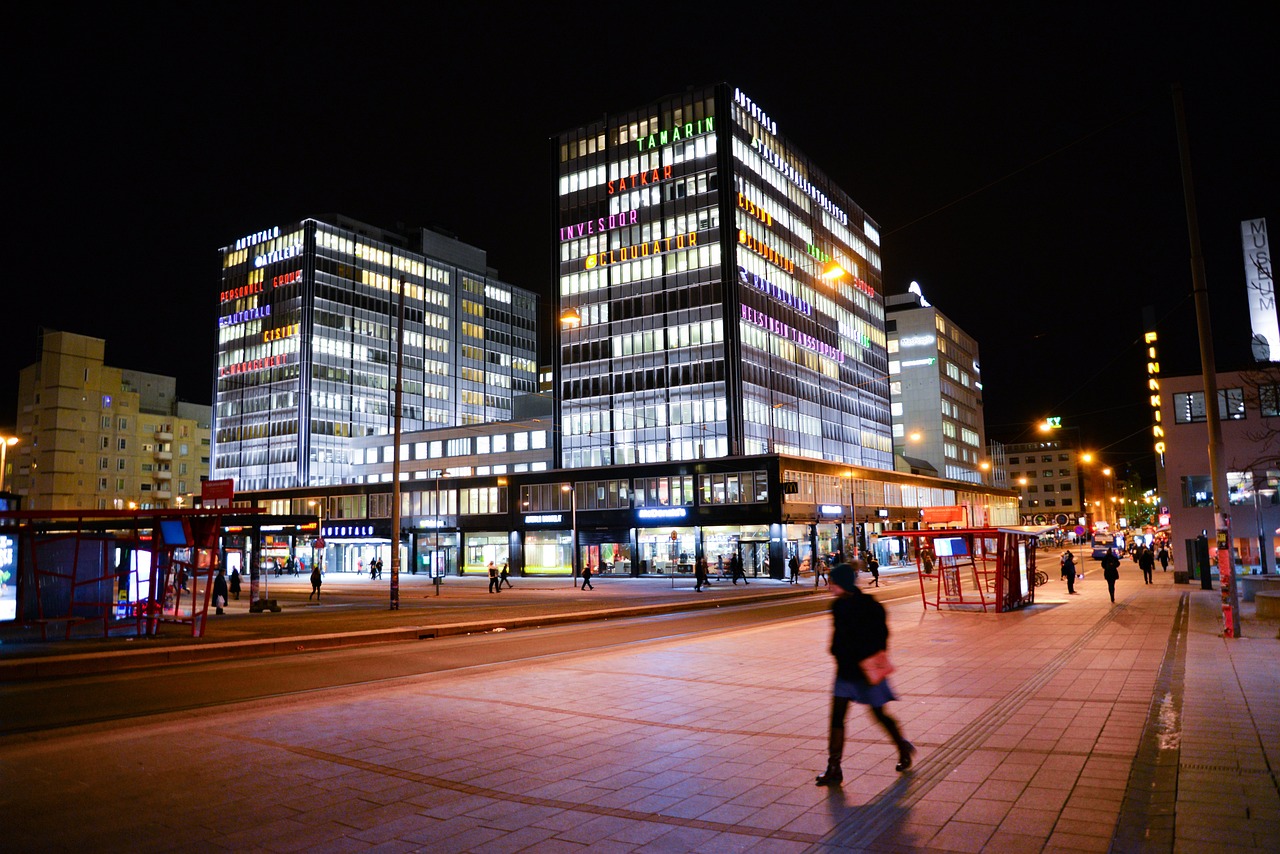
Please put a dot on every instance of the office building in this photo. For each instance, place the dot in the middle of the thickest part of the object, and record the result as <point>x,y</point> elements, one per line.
<point>721,296</point>
<point>95,437</point>
<point>935,390</point>
<point>307,347</point>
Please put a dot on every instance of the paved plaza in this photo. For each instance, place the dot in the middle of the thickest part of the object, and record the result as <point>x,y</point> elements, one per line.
<point>1075,725</point>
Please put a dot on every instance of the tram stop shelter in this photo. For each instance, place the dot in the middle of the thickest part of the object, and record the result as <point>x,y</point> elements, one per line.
<point>990,568</point>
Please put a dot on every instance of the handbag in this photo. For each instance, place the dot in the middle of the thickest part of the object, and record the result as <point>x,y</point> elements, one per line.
<point>877,667</point>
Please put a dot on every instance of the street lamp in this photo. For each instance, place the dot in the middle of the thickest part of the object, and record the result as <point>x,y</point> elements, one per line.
<point>573,543</point>
<point>5,442</point>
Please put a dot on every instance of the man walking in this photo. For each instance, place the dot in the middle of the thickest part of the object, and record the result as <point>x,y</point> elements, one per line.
<point>586,578</point>
<point>316,580</point>
<point>1147,563</point>
<point>1069,570</point>
<point>495,583</point>
<point>794,566</point>
<point>1111,572</point>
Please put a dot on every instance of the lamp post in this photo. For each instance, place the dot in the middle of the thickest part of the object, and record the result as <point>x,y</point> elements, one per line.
<point>5,442</point>
<point>395,458</point>
<point>573,542</point>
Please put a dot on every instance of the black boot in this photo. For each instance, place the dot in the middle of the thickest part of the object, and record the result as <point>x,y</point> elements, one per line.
<point>905,751</point>
<point>833,776</point>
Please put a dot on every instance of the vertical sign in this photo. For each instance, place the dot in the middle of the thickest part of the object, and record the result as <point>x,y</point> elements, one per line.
<point>1261,287</point>
<point>1153,392</point>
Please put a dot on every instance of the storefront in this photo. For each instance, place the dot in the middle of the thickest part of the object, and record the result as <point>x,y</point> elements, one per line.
<point>607,552</point>
<point>481,548</point>
<point>352,546</point>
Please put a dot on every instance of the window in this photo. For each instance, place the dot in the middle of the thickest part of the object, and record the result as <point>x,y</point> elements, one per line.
<point>1188,406</point>
<point>1269,400</point>
<point>122,444</point>
<point>120,464</point>
<point>1197,491</point>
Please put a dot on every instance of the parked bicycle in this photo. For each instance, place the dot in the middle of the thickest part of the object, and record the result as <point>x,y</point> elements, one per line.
<point>1041,577</point>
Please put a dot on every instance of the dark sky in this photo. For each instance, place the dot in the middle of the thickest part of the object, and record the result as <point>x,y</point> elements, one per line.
<point>1022,162</point>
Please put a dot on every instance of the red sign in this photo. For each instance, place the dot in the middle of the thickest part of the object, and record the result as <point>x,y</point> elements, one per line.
<point>217,490</point>
<point>942,515</point>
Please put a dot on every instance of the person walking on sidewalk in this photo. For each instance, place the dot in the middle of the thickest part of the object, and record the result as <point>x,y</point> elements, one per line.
<point>794,566</point>
<point>1147,563</point>
<point>819,571</point>
<point>700,575</point>
<point>495,583</point>
<point>234,583</point>
<point>1163,557</point>
<point>586,578</point>
<point>1111,572</point>
<point>503,576</point>
<point>873,566</point>
<point>1069,570</point>
<point>219,591</point>
<point>859,632</point>
<point>736,571</point>
<point>316,579</point>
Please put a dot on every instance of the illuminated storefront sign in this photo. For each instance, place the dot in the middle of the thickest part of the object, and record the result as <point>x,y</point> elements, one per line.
<point>241,292</point>
<point>765,286</point>
<point>242,316</point>
<point>816,252</point>
<point>253,365</point>
<point>765,252</point>
<point>777,327</point>
<point>675,134</point>
<point>291,251</point>
<point>919,363</point>
<point>639,179</point>
<point>280,332</point>
<point>599,225</point>
<point>1153,388</point>
<point>662,513</point>
<point>915,341</point>
<point>783,165</point>
<point>830,509</point>
<point>339,531</point>
<point>1261,286</point>
<point>544,519</point>
<point>286,279</point>
<point>751,208</point>
<point>641,250</point>
<point>753,110</point>
<point>258,237</point>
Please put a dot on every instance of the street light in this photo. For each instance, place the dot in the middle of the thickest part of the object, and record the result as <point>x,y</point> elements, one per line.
<point>573,543</point>
<point>5,442</point>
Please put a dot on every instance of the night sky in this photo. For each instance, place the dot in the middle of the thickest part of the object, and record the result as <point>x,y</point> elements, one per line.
<point>1022,163</point>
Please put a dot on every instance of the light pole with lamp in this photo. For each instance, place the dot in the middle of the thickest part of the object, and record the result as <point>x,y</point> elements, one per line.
<point>573,542</point>
<point>5,442</point>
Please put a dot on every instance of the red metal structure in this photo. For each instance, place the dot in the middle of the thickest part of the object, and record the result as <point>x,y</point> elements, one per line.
<point>977,567</point>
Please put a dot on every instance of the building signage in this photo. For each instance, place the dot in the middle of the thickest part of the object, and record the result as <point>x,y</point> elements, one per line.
<point>830,509</point>
<point>765,286</point>
<point>752,109</point>
<point>1153,390</point>
<point>783,165</point>
<point>919,363</point>
<point>241,292</point>
<point>336,531</point>
<point>544,519</point>
<point>755,210</point>
<point>293,250</point>
<point>676,133</point>
<point>662,513</point>
<point>286,279</point>
<point>639,179</point>
<point>258,237</point>
<point>1262,291</point>
<point>280,332</point>
<point>641,250</point>
<point>253,365</point>
<point>817,253</point>
<point>915,341</point>
<point>599,225</point>
<point>765,252</point>
<point>777,327</point>
<point>242,316</point>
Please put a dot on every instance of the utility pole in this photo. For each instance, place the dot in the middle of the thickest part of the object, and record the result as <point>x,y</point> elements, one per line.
<point>395,459</point>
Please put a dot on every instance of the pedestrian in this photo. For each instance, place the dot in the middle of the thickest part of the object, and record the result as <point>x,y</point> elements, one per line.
<point>873,567</point>
<point>1069,570</point>
<point>182,579</point>
<point>736,571</point>
<point>495,583</point>
<point>219,591</point>
<point>860,632</point>
<point>794,566</point>
<point>819,571</point>
<point>291,566</point>
<point>373,568</point>
<point>234,583</point>
<point>927,557</point>
<point>586,578</point>
<point>700,575</point>
<point>1163,557</point>
<point>315,583</point>
<point>1111,572</point>
<point>502,576</point>
<point>1147,563</point>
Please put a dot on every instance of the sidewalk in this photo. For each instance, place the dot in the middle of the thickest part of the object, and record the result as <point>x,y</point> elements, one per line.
<point>1076,725</point>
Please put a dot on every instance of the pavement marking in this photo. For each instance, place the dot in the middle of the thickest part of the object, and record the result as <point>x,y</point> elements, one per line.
<point>527,800</point>
<point>890,806</point>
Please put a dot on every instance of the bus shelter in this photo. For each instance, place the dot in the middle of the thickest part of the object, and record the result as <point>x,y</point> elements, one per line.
<point>987,568</point>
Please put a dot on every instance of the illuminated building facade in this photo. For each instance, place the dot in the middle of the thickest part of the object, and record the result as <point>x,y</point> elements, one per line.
<point>725,294</point>
<point>935,389</point>
<point>307,346</point>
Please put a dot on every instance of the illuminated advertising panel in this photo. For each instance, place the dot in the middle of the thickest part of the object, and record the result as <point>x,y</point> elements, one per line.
<point>641,250</point>
<point>1262,291</point>
<point>676,133</point>
<point>8,577</point>
<point>777,327</point>
<point>1153,391</point>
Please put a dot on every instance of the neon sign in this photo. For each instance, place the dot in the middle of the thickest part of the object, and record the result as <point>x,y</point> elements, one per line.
<point>662,513</point>
<point>754,111</point>
<point>757,212</point>
<point>242,316</point>
<point>258,237</point>
<point>638,179</point>
<point>291,251</point>
<point>241,292</point>
<point>765,252</point>
<point>252,365</point>
<point>780,163</point>
<point>597,226</point>
<point>286,279</point>
<point>1153,386</point>
<point>777,327</point>
<point>765,286</point>
<point>641,250</point>
<point>816,252</point>
<point>919,363</point>
<point>830,509</point>
<point>676,133</point>
<point>280,332</point>
<point>544,519</point>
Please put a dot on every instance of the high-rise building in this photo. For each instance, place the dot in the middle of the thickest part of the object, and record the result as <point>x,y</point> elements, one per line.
<point>935,389</point>
<point>307,346</point>
<point>94,437</point>
<point>724,294</point>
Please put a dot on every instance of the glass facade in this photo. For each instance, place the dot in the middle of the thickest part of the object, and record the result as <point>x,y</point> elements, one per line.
<point>727,295</point>
<point>307,347</point>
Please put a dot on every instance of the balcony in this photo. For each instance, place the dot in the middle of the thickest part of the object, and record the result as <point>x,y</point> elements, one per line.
<point>164,455</point>
<point>164,434</point>
<point>161,494</point>
<point>163,475</point>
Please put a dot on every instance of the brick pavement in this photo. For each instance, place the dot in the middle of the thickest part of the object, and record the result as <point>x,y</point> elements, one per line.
<point>1073,726</point>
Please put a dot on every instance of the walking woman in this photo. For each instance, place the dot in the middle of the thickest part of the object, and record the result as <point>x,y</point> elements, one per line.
<point>1111,572</point>
<point>860,631</point>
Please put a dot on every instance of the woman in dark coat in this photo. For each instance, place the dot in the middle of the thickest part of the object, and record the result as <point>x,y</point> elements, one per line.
<point>860,631</point>
<point>219,591</point>
<point>235,583</point>
<point>316,579</point>
<point>1111,571</point>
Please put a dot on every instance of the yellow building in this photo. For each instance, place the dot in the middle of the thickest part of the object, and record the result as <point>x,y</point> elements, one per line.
<point>96,437</point>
